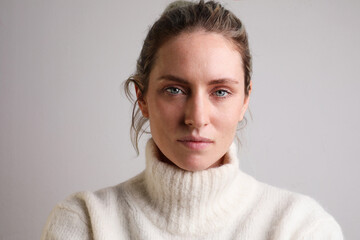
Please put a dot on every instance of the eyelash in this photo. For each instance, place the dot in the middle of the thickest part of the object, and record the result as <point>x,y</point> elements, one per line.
<point>222,90</point>
<point>170,89</point>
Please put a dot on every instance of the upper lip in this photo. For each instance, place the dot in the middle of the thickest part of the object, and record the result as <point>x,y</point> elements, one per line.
<point>194,139</point>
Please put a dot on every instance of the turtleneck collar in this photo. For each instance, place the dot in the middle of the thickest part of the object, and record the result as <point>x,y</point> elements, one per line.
<point>194,203</point>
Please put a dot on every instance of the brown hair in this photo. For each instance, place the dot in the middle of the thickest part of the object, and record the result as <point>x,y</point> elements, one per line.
<point>179,17</point>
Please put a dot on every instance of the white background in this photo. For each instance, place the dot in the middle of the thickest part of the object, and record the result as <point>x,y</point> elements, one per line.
<point>64,120</point>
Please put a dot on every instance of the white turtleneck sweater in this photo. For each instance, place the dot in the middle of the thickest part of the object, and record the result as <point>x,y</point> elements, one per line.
<point>165,202</point>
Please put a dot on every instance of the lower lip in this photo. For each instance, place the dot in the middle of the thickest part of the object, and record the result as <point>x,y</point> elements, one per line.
<point>195,145</point>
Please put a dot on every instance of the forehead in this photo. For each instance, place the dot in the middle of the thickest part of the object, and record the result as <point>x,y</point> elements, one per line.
<point>200,55</point>
<point>202,37</point>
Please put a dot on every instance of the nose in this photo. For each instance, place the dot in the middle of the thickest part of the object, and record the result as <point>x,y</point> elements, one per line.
<point>197,113</point>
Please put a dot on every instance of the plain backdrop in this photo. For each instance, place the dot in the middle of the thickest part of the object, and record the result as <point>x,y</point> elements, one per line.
<point>64,119</point>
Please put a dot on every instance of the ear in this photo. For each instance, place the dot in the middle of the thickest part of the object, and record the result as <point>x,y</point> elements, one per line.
<point>142,102</point>
<point>246,103</point>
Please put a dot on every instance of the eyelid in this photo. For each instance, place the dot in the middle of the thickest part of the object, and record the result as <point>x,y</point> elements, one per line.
<point>227,91</point>
<point>221,89</point>
<point>165,89</point>
<point>184,91</point>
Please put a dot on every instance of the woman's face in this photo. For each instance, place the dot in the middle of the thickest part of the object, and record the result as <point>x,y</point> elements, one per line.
<point>195,99</point>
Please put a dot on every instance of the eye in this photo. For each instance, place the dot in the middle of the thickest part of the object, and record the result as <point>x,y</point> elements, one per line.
<point>174,90</point>
<point>221,93</point>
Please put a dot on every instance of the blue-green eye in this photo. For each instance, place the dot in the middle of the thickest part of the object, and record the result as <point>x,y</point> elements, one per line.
<point>173,90</point>
<point>221,93</point>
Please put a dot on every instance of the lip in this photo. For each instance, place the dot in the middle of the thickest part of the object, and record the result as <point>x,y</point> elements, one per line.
<point>195,142</point>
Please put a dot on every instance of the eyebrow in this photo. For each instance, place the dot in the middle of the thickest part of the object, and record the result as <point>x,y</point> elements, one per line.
<point>183,81</point>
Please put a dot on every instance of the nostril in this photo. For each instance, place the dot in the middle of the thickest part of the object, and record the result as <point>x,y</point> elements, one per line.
<point>196,123</point>
<point>189,122</point>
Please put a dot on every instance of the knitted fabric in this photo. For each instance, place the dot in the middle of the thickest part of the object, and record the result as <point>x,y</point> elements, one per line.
<point>165,202</point>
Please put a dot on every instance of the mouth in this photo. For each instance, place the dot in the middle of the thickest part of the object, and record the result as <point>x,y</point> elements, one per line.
<point>195,143</point>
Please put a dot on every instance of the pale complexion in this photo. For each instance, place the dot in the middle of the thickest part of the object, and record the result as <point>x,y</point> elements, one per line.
<point>195,99</point>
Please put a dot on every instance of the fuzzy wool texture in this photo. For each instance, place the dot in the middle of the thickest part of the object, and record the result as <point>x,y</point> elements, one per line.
<point>165,202</point>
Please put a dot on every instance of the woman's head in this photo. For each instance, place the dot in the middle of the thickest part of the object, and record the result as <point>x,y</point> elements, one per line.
<point>181,20</point>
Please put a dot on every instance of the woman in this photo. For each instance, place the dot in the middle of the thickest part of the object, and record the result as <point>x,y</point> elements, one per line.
<point>193,86</point>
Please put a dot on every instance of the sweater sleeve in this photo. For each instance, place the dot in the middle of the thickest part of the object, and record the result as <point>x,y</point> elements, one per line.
<point>65,223</point>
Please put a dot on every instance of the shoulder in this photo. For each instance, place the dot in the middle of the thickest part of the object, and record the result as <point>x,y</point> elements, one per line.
<point>69,219</point>
<point>80,214</point>
<point>296,215</point>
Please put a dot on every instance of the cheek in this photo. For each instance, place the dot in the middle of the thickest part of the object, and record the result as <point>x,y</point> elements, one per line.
<point>227,125</point>
<point>165,114</point>
<point>227,114</point>
<point>226,120</point>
